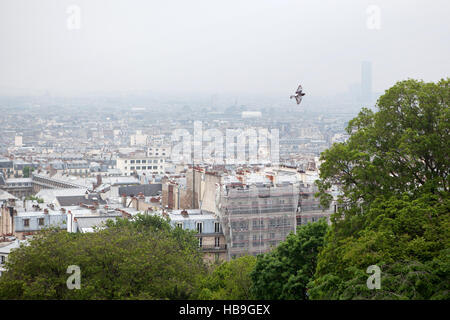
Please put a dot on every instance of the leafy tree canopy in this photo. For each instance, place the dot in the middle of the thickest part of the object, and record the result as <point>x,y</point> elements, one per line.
<point>285,272</point>
<point>229,281</point>
<point>394,176</point>
<point>143,258</point>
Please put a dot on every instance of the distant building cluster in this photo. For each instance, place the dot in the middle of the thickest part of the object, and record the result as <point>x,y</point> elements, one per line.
<point>76,175</point>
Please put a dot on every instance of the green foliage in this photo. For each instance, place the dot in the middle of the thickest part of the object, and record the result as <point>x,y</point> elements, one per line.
<point>404,147</point>
<point>229,281</point>
<point>39,200</point>
<point>140,259</point>
<point>26,171</point>
<point>285,272</point>
<point>406,238</point>
<point>394,176</point>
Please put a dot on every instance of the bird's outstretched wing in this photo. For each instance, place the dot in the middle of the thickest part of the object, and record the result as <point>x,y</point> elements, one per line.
<point>299,89</point>
<point>298,98</point>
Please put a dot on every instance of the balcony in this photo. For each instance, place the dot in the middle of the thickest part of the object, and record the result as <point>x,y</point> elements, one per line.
<point>214,248</point>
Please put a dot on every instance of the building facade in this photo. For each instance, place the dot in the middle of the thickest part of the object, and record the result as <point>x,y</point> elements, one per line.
<point>141,164</point>
<point>209,232</point>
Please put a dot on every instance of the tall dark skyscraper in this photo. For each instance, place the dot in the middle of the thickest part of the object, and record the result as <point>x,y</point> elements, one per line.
<point>366,81</point>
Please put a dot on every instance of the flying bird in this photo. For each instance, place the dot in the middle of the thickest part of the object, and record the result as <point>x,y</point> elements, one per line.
<point>298,94</point>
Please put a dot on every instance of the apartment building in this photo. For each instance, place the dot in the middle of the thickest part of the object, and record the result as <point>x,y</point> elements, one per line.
<point>211,240</point>
<point>141,164</point>
<point>18,187</point>
<point>162,151</point>
<point>6,167</point>
<point>24,223</point>
<point>257,217</point>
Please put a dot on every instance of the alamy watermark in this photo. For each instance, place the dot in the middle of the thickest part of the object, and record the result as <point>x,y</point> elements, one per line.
<point>373,21</point>
<point>235,147</point>
<point>74,281</point>
<point>374,281</point>
<point>73,21</point>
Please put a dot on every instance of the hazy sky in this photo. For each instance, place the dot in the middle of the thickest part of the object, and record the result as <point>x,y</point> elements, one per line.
<point>226,46</point>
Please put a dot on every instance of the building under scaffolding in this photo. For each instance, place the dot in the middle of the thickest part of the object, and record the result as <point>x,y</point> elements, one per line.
<point>309,208</point>
<point>256,217</point>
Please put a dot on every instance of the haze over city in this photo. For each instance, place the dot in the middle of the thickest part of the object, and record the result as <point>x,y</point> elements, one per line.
<point>262,152</point>
<point>255,48</point>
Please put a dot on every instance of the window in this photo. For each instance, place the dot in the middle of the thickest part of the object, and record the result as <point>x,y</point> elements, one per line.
<point>2,259</point>
<point>125,161</point>
<point>199,227</point>
<point>144,161</point>
<point>258,244</point>
<point>138,161</point>
<point>131,168</point>
<point>217,242</point>
<point>179,225</point>
<point>258,237</point>
<point>26,222</point>
<point>132,161</point>
<point>258,224</point>
<point>41,221</point>
<point>138,168</point>
<point>155,167</point>
<point>200,242</point>
<point>216,227</point>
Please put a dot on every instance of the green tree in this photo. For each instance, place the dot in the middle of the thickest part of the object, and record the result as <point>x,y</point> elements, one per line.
<point>408,239</point>
<point>39,200</point>
<point>142,258</point>
<point>26,171</point>
<point>394,208</point>
<point>285,272</point>
<point>229,281</point>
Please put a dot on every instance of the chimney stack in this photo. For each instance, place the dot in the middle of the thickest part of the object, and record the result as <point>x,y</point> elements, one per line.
<point>99,180</point>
